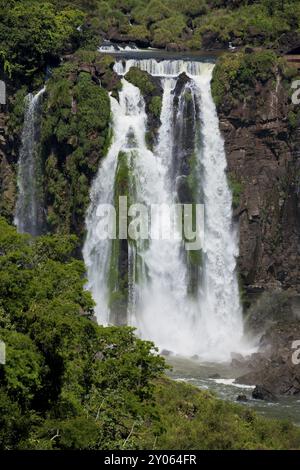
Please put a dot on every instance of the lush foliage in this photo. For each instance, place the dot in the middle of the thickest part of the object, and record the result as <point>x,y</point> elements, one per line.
<point>67,383</point>
<point>237,73</point>
<point>34,33</point>
<point>75,135</point>
<point>187,23</point>
<point>236,188</point>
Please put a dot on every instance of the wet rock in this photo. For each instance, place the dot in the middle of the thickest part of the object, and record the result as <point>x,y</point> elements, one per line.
<point>214,376</point>
<point>242,398</point>
<point>273,368</point>
<point>261,393</point>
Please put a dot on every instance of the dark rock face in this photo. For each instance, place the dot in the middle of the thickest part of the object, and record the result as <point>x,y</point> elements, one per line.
<point>262,153</point>
<point>261,393</point>
<point>211,40</point>
<point>242,398</point>
<point>288,42</point>
<point>274,369</point>
<point>214,376</point>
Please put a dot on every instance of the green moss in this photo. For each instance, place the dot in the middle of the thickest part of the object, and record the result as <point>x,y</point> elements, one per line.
<point>155,106</point>
<point>141,80</point>
<point>75,136</point>
<point>34,34</point>
<point>293,118</point>
<point>236,188</point>
<point>118,276</point>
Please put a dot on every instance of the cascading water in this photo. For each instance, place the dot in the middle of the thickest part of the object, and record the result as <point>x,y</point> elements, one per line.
<point>28,216</point>
<point>208,322</point>
<point>221,312</point>
<point>129,125</point>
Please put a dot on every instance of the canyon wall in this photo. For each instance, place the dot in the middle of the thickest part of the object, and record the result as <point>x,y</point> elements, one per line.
<point>262,140</point>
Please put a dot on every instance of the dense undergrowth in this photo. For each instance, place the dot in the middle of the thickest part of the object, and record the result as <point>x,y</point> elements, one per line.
<point>34,34</point>
<point>69,383</point>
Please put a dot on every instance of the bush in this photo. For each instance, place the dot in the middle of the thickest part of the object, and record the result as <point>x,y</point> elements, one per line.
<point>235,74</point>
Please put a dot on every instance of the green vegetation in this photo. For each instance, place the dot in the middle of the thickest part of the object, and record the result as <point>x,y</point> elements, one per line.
<point>155,106</point>
<point>152,93</point>
<point>141,79</point>
<point>187,24</point>
<point>236,188</point>
<point>68,383</point>
<point>16,115</point>
<point>75,135</point>
<point>294,118</point>
<point>195,419</point>
<point>34,34</point>
<point>235,74</point>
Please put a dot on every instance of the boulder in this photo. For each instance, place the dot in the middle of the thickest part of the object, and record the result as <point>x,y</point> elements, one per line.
<point>242,398</point>
<point>261,393</point>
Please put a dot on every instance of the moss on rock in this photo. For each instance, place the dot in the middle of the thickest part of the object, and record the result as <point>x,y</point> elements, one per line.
<point>151,91</point>
<point>75,136</point>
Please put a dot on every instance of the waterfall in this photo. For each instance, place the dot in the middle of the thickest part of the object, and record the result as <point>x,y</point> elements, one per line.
<point>221,325</point>
<point>129,126</point>
<point>29,216</point>
<point>185,302</point>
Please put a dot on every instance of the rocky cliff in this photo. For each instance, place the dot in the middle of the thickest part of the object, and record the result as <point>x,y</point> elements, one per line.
<point>262,147</point>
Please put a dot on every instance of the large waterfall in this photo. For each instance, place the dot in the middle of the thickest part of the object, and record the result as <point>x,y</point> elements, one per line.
<point>28,216</point>
<point>186,302</point>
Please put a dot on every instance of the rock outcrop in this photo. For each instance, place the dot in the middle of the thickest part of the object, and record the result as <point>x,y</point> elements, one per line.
<point>275,369</point>
<point>262,151</point>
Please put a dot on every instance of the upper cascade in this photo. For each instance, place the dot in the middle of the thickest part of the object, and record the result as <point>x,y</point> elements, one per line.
<point>164,68</point>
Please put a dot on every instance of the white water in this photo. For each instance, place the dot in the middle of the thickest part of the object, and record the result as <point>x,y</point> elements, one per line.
<point>165,313</point>
<point>27,216</point>
<point>159,305</point>
<point>164,68</point>
<point>115,48</point>
<point>221,327</point>
<point>129,119</point>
